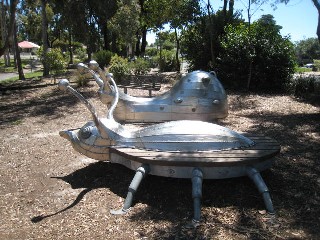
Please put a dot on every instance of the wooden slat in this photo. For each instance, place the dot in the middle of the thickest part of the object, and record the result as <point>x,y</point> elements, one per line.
<point>264,149</point>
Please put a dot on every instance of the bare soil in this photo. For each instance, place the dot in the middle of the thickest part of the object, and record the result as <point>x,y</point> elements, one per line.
<point>49,191</point>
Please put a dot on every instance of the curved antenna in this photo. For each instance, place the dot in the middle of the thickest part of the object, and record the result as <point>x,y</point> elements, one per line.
<point>116,97</point>
<point>82,68</point>
<point>64,85</point>
<point>94,66</point>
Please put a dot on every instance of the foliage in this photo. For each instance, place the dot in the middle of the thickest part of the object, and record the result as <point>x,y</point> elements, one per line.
<point>125,22</point>
<point>140,66</point>
<point>151,51</point>
<point>54,60</point>
<point>197,40</point>
<point>64,45</point>
<point>307,50</point>
<point>167,61</point>
<point>271,55</point>
<point>80,54</point>
<point>119,67</point>
<point>103,57</point>
<point>306,87</point>
<point>82,79</point>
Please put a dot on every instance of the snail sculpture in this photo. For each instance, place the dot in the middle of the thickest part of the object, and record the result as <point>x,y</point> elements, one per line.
<point>101,137</point>
<point>198,95</point>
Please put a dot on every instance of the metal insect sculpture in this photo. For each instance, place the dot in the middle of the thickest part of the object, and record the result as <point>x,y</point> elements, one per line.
<point>182,142</point>
<point>198,95</point>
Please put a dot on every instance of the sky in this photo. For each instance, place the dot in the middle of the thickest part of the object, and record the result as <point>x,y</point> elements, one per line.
<point>299,18</point>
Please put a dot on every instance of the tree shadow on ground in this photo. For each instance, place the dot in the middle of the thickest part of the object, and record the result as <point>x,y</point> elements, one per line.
<point>295,177</point>
<point>170,199</point>
<point>51,104</point>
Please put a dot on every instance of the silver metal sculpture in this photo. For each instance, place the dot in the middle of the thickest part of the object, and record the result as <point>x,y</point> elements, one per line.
<point>198,95</point>
<point>98,139</point>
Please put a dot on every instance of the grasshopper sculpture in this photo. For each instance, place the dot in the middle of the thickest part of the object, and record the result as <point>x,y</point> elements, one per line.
<point>198,95</point>
<point>97,138</point>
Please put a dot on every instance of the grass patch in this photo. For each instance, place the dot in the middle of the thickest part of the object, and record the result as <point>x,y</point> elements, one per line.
<point>36,75</point>
<point>302,69</point>
<point>10,69</point>
<point>17,122</point>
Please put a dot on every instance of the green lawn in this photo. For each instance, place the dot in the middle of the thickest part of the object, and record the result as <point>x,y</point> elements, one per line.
<point>36,75</point>
<point>5,69</point>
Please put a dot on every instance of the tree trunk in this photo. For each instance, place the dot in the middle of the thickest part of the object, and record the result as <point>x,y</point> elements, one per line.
<point>177,50</point>
<point>250,47</point>
<point>70,46</point>
<point>144,40</point>
<point>317,5</point>
<point>138,51</point>
<point>106,37</point>
<point>13,7</point>
<point>231,9</point>
<point>6,55</point>
<point>44,38</point>
<point>19,65</point>
<point>211,34</point>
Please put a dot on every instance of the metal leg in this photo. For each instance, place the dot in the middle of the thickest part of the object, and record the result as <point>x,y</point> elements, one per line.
<point>262,187</point>
<point>197,177</point>
<point>140,173</point>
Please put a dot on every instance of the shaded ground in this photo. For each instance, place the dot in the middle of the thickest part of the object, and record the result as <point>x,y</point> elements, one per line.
<point>49,191</point>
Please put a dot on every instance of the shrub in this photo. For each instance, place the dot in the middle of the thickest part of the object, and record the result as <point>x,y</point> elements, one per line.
<point>119,67</point>
<point>167,61</point>
<point>151,51</point>
<point>262,47</point>
<point>103,58</point>
<point>305,87</point>
<point>55,61</point>
<point>82,79</point>
<point>81,54</point>
<point>140,66</point>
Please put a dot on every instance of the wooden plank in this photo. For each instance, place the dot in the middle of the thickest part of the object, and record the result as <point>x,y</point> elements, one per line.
<point>264,149</point>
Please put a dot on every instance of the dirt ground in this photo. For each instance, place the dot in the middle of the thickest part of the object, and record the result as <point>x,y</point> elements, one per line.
<point>49,191</point>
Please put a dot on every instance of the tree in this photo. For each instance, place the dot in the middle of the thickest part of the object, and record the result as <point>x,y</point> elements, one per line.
<point>154,14</point>
<point>307,50</point>
<point>125,23</point>
<point>44,37</point>
<point>201,41</point>
<point>184,12</point>
<point>10,28</point>
<point>17,53</point>
<point>271,54</point>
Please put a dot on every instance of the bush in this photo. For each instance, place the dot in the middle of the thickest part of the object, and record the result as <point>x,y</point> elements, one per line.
<point>305,87</point>
<point>82,79</point>
<point>140,66</point>
<point>103,58</point>
<point>81,54</point>
<point>55,61</point>
<point>270,56</point>
<point>167,61</point>
<point>119,67</point>
<point>151,52</point>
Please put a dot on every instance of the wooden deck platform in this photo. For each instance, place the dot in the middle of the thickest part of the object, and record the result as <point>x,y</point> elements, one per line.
<point>264,148</point>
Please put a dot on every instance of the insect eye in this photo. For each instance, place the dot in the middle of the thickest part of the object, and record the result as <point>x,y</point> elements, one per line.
<point>85,132</point>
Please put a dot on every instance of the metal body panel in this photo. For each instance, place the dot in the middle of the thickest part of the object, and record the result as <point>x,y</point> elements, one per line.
<point>186,172</point>
<point>198,93</point>
<point>98,135</point>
